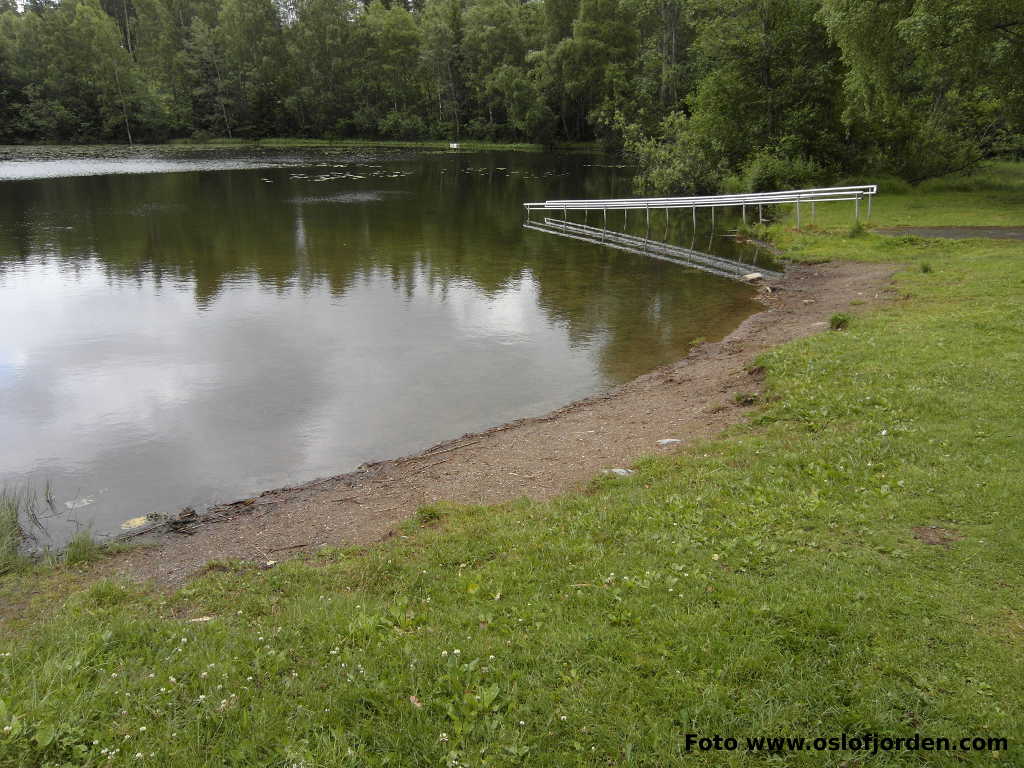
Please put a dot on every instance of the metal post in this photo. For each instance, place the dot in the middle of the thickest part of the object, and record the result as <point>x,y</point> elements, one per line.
<point>760,214</point>
<point>744,213</point>
<point>648,233</point>
<point>869,208</point>
<point>712,218</point>
<point>695,218</point>
<point>565,214</point>
<point>605,218</point>
<point>856,207</point>
<point>812,212</point>
<point>798,213</point>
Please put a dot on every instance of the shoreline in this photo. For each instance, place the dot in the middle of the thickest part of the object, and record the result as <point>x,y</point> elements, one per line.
<point>10,151</point>
<point>690,400</point>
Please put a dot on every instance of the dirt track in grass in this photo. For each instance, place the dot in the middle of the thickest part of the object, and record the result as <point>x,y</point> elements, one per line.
<point>957,233</point>
<point>688,401</point>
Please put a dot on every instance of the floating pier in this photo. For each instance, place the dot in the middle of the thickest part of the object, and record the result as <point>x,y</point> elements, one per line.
<point>686,257</point>
<point>757,200</point>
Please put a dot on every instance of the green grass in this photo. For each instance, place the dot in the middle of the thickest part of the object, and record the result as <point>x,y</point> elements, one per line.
<point>765,583</point>
<point>11,535</point>
<point>82,548</point>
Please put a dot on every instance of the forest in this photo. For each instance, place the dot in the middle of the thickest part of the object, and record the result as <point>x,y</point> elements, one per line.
<point>701,94</point>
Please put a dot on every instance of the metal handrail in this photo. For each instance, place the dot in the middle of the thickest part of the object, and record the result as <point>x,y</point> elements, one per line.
<point>686,257</point>
<point>703,201</point>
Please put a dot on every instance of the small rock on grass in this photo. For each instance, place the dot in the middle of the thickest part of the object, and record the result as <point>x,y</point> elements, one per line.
<point>620,472</point>
<point>669,441</point>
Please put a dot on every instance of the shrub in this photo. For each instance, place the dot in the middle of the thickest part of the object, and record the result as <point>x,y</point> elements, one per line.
<point>839,322</point>
<point>401,125</point>
<point>774,169</point>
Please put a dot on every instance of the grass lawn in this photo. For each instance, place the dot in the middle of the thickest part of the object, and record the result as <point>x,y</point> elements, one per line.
<point>768,583</point>
<point>990,196</point>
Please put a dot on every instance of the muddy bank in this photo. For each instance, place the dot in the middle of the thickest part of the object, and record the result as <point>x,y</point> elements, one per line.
<point>687,401</point>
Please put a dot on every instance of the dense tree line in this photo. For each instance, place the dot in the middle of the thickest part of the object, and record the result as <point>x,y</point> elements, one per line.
<point>703,93</point>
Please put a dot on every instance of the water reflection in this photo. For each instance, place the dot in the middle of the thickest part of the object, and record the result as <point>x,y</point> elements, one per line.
<point>184,338</point>
<point>734,269</point>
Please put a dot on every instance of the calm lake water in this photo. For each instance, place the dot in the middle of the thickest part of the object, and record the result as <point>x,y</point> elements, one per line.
<point>183,329</point>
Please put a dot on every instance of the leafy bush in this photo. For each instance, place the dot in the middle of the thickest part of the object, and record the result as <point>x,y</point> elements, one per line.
<point>774,169</point>
<point>681,160</point>
<point>402,125</point>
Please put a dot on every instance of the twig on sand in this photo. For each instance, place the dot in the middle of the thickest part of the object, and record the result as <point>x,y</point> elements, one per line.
<point>422,469</point>
<point>291,546</point>
<point>438,452</point>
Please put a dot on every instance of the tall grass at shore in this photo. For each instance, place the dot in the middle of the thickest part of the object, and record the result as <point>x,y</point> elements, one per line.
<point>12,535</point>
<point>849,562</point>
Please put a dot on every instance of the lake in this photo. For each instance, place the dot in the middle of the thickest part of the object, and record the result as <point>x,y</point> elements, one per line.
<point>191,327</point>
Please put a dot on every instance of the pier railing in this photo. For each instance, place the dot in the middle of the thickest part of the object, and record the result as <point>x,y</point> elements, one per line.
<point>751,200</point>
<point>686,257</point>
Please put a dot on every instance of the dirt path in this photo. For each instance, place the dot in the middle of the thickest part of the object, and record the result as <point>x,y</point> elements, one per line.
<point>689,400</point>
<point>957,233</point>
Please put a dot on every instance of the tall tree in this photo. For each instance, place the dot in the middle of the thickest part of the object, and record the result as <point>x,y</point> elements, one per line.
<point>935,82</point>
